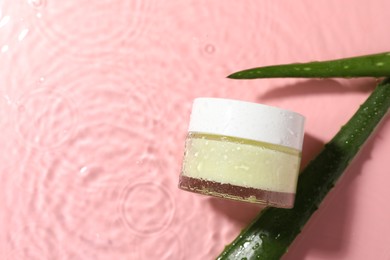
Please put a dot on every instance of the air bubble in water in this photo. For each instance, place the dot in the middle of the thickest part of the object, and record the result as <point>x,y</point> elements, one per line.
<point>209,48</point>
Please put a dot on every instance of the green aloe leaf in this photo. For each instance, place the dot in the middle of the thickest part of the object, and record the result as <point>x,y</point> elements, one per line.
<point>271,233</point>
<point>375,65</point>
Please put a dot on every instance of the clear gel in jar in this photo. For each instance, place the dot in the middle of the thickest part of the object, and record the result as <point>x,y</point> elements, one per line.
<point>243,151</point>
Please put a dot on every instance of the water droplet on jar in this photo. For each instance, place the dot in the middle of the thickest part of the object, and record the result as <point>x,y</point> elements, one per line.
<point>199,167</point>
<point>224,138</point>
<point>291,132</point>
<point>242,167</point>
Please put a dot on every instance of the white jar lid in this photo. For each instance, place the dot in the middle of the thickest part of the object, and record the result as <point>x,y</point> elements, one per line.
<point>247,120</point>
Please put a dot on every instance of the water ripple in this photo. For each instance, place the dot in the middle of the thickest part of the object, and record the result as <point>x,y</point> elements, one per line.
<point>33,242</point>
<point>102,93</point>
<point>152,248</point>
<point>91,29</point>
<point>84,203</point>
<point>147,208</point>
<point>35,239</point>
<point>45,118</point>
<point>98,224</point>
<point>110,148</point>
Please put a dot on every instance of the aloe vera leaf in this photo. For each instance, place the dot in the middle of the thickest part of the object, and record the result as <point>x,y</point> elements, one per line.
<point>271,233</point>
<point>375,65</point>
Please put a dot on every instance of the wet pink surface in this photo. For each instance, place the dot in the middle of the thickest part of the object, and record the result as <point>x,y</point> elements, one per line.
<point>94,105</point>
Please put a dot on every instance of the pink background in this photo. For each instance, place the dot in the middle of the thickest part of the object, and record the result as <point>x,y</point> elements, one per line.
<point>94,105</point>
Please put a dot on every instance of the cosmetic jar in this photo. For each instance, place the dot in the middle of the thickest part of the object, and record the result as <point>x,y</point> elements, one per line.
<point>243,151</point>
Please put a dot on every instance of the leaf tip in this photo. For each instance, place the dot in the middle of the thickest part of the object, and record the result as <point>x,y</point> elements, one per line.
<point>235,75</point>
